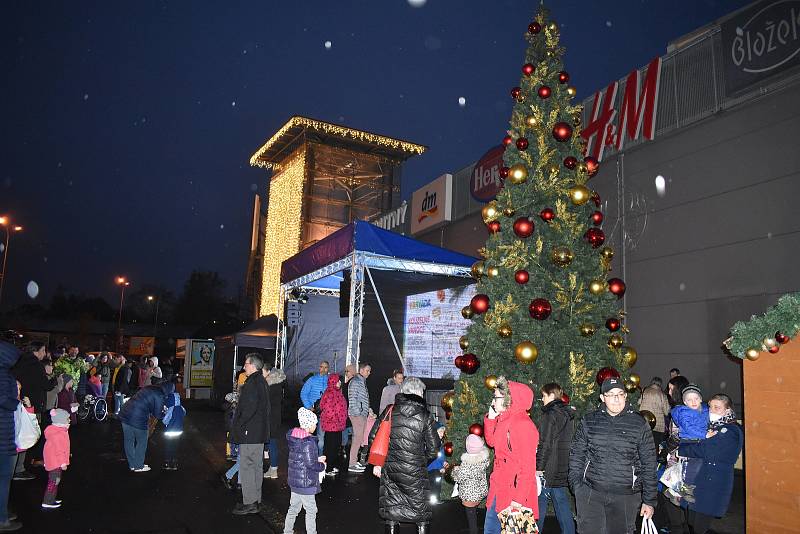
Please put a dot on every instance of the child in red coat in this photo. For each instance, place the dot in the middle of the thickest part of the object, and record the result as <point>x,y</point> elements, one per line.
<point>333,420</point>
<point>56,455</point>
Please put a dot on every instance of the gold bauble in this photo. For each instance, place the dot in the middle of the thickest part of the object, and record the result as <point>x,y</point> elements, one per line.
<point>649,417</point>
<point>571,91</point>
<point>550,53</point>
<point>752,354</point>
<point>532,121</point>
<point>509,211</point>
<point>478,269</point>
<point>490,212</point>
<point>577,120</point>
<point>770,342</point>
<point>526,352</point>
<point>518,174</point>
<point>492,271</point>
<point>629,356</point>
<point>552,26</point>
<point>448,399</point>
<point>504,331</point>
<point>490,382</point>
<point>607,253</point>
<point>467,312</point>
<point>582,167</point>
<point>553,170</point>
<point>597,287</point>
<point>635,378</point>
<point>463,342</point>
<point>521,98</point>
<point>586,330</point>
<point>579,195</point>
<point>561,256</point>
<point>630,387</point>
<point>615,341</point>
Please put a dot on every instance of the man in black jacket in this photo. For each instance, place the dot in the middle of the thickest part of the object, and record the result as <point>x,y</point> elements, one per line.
<point>122,382</point>
<point>552,457</point>
<point>250,429</point>
<point>612,465</point>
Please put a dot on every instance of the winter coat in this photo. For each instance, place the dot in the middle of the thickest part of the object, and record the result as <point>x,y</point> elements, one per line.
<point>122,380</point>
<point>51,397</point>
<point>9,354</point>
<point>413,444</point>
<point>514,438</point>
<point>35,382</point>
<point>614,454</point>
<point>251,421</point>
<point>333,406</point>
<point>555,437</point>
<point>313,389</point>
<point>388,394</point>
<point>277,384</point>
<point>473,485</point>
<point>304,468</point>
<point>714,481</point>
<point>95,386</point>
<point>656,402</point>
<point>148,402</point>
<point>56,447</point>
<point>358,397</point>
<point>104,372</point>
<point>66,398</point>
<point>693,424</point>
<point>173,419</point>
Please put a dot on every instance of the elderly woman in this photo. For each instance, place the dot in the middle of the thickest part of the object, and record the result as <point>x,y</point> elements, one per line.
<point>413,444</point>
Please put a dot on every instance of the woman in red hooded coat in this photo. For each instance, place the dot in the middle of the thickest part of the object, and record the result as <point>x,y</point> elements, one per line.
<point>333,420</point>
<point>508,429</point>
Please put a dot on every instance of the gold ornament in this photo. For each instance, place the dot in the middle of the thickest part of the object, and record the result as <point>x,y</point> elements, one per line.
<point>553,170</point>
<point>615,341</point>
<point>532,121</point>
<point>635,378</point>
<point>579,195</point>
<point>649,417</point>
<point>770,342</point>
<point>630,387</point>
<point>478,269</point>
<point>463,342</point>
<point>752,354</point>
<point>582,167</point>
<point>551,53</point>
<point>509,211</point>
<point>467,312</point>
<point>492,271</point>
<point>504,331</point>
<point>518,174</point>
<point>561,256</point>
<point>552,26</point>
<point>571,91</point>
<point>526,352</point>
<point>577,120</point>
<point>490,212</point>
<point>607,253</point>
<point>448,399</point>
<point>521,98</point>
<point>597,287</point>
<point>490,382</point>
<point>630,356</point>
<point>587,330</point>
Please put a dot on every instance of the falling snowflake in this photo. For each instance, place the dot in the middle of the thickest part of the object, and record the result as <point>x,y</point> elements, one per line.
<point>608,23</point>
<point>416,3</point>
<point>462,101</point>
<point>682,286</point>
<point>661,186</point>
<point>221,226</point>
<point>86,96</point>
<point>328,45</point>
<point>33,289</point>
<point>233,104</point>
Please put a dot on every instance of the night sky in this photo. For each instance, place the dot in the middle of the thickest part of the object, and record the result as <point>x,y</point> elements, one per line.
<point>127,126</point>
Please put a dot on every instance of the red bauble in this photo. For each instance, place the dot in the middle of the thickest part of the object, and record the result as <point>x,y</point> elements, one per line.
<point>523,227</point>
<point>459,361</point>
<point>448,449</point>
<point>604,373</point>
<point>547,214</point>
<point>522,143</point>
<point>515,92</point>
<point>493,227</point>
<point>617,287</point>
<point>507,140</point>
<point>595,237</point>
<point>597,218</point>
<point>596,198</point>
<point>477,429</point>
<point>470,364</point>
<point>565,398</point>
<point>781,338</point>
<point>544,92</point>
<point>563,77</point>
<point>540,309</point>
<point>534,28</point>
<point>522,276</point>
<point>504,172</point>
<point>592,165</point>
<point>479,303</point>
<point>613,324</point>
<point>562,132</point>
<point>570,162</point>
<point>527,69</point>
<point>774,349</point>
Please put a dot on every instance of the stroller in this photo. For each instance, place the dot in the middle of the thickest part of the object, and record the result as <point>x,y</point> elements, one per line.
<point>92,407</point>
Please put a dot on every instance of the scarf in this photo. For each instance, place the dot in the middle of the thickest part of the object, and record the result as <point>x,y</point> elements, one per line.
<point>728,418</point>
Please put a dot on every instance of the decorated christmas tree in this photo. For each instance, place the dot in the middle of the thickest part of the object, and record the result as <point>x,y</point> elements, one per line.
<point>546,308</point>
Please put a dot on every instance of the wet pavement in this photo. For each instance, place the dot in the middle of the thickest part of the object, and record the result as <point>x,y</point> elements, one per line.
<point>101,495</point>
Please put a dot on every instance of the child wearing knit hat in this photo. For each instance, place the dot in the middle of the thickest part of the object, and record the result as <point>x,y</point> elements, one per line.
<point>306,469</point>
<point>470,476</point>
<point>56,455</point>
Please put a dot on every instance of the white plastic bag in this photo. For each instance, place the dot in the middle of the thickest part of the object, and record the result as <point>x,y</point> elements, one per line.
<point>26,427</point>
<point>648,527</point>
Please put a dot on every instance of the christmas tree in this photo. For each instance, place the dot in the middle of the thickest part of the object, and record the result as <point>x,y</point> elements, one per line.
<point>546,308</point>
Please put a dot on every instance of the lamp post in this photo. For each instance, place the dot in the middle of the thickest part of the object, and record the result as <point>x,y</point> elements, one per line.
<point>122,282</point>
<point>151,298</point>
<point>5,222</point>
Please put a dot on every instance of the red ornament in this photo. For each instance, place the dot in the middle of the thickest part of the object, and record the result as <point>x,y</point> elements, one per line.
<point>617,287</point>
<point>515,92</point>
<point>547,214</point>
<point>523,227</point>
<point>592,165</point>
<point>522,143</point>
<point>527,69</point>
<point>783,339</point>
<point>570,162</point>
<point>604,373</point>
<point>470,364</point>
<point>563,77</point>
<point>595,237</point>
<point>479,303</point>
<point>565,398</point>
<point>562,131</point>
<point>597,218</point>
<point>493,227</point>
<point>477,429</point>
<point>459,361</point>
<point>504,172</point>
<point>774,349</point>
<point>613,324</point>
<point>522,276</point>
<point>534,28</point>
<point>507,140</point>
<point>544,92</point>
<point>448,449</point>
<point>540,309</point>
<point>596,198</point>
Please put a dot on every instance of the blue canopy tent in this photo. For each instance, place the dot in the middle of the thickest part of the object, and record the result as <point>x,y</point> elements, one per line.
<point>360,248</point>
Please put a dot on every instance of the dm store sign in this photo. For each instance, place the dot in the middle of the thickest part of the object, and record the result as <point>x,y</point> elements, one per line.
<point>432,205</point>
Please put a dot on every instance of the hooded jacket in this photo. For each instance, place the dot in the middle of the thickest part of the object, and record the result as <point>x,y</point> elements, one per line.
<point>692,424</point>
<point>313,389</point>
<point>277,383</point>
<point>251,422</point>
<point>555,438</point>
<point>148,402</point>
<point>334,408</point>
<point>9,354</point>
<point>304,467</point>
<point>56,447</point>
<point>514,438</point>
<point>471,476</point>
<point>413,444</point>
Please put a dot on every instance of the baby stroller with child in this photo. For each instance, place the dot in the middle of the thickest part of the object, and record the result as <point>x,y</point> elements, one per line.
<point>94,407</point>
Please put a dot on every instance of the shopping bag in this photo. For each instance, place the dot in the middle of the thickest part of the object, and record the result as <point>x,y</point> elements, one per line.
<point>380,445</point>
<point>27,428</point>
<point>517,521</point>
<point>648,527</point>
<point>673,477</point>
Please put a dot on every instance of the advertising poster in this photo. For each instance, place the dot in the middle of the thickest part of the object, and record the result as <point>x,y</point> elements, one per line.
<point>201,363</point>
<point>141,346</point>
<point>433,324</point>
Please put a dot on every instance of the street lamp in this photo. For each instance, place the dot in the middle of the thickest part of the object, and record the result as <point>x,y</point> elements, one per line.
<point>122,282</point>
<point>5,222</point>
<point>151,298</point>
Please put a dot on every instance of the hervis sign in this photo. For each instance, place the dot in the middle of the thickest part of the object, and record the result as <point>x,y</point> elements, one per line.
<point>485,181</point>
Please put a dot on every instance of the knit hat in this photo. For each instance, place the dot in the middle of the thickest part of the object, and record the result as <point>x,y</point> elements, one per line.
<point>691,388</point>
<point>611,383</point>
<point>66,377</point>
<point>59,417</point>
<point>307,418</point>
<point>474,444</point>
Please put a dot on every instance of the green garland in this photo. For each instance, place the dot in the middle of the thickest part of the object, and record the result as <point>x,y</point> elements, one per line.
<point>783,317</point>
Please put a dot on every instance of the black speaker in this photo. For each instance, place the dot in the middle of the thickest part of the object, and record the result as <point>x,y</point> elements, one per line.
<point>344,295</point>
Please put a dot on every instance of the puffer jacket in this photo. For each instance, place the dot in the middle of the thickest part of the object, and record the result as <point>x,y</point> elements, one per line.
<point>413,444</point>
<point>692,424</point>
<point>312,390</point>
<point>614,454</point>
<point>304,468</point>
<point>9,354</point>
<point>333,406</point>
<point>357,397</point>
<point>555,437</point>
<point>473,484</point>
<point>251,422</point>
<point>149,401</point>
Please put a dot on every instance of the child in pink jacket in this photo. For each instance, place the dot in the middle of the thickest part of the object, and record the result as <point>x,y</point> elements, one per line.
<point>56,455</point>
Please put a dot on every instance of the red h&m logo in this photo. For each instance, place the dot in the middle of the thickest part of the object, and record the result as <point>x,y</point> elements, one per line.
<point>637,114</point>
